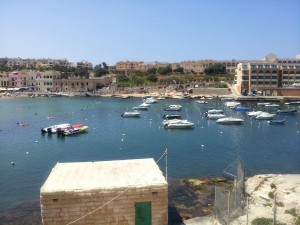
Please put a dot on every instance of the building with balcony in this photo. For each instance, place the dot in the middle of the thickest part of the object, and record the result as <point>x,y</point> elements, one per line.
<point>269,78</point>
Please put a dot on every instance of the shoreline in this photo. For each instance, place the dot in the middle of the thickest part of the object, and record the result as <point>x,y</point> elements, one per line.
<point>184,198</point>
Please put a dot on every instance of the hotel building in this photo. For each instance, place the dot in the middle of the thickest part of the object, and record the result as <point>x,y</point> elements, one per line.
<point>271,78</point>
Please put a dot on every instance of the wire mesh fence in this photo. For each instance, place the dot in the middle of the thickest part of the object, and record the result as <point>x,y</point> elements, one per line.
<point>230,204</point>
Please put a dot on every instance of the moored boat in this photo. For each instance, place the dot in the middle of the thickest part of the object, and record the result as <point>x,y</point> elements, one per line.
<point>241,108</point>
<point>275,122</point>
<point>265,116</point>
<point>215,116</point>
<point>232,104</point>
<point>215,111</point>
<point>286,111</point>
<point>173,108</point>
<point>75,130</point>
<point>53,128</point>
<point>178,124</point>
<point>140,108</point>
<point>61,130</point>
<point>254,113</point>
<point>171,116</point>
<point>230,120</point>
<point>131,114</point>
<point>201,102</point>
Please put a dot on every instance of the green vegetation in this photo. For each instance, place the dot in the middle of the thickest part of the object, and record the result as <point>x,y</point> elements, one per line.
<point>215,68</point>
<point>292,211</point>
<point>219,85</point>
<point>262,221</point>
<point>271,194</point>
<point>279,204</point>
<point>273,186</point>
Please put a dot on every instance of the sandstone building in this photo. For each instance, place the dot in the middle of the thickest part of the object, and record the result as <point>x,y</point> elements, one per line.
<point>123,192</point>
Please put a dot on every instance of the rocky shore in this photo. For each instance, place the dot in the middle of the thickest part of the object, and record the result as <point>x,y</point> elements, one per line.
<point>191,201</point>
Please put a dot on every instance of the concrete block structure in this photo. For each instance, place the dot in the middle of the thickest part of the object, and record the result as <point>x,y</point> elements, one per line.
<point>123,192</point>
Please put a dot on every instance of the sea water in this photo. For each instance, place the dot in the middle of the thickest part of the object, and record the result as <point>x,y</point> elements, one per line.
<point>205,150</point>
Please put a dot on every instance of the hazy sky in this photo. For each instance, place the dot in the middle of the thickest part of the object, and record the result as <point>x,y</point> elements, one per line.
<point>149,30</point>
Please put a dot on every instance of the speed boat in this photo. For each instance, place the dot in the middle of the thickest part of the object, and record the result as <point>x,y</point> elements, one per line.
<point>131,114</point>
<point>61,130</point>
<point>201,102</point>
<point>140,108</point>
<point>265,116</point>
<point>230,120</point>
<point>254,113</point>
<point>53,128</point>
<point>173,108</point>
<point>232,104</point>
<point>215,116</point>
<point>72,131</point>
<point>276,122</point>
<point>178,124</point>
<point>215,111</point>
<point>241,108</point>
<point>286,111</point>
<point>171,116</point>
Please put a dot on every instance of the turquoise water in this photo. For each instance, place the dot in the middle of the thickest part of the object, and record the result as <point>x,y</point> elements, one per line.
<point>203,151</point>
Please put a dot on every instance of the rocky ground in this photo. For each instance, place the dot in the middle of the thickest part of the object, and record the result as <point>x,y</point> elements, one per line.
<point>194,198</point>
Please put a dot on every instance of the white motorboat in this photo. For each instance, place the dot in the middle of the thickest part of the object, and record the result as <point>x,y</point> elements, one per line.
<point>201,102</point>
<point>149,100</point>
<point>131,114</point>
<point>215,116</point>
<point>144,104</point>
<point>230,120</point>
<point>263,103</point>
<point>271,105</point>
<point>53,128</point>
<point>265,116</point>
<point>178,124</point>
<point>215,111</point>
<point>140,108</point>
<point>173,108</point>
<point>254,113</point>
<point>232,104</point>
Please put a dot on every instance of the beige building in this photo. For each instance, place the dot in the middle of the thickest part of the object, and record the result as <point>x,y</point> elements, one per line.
<point>123,192</point>
<point>269,78</point>
<point>76,84</point>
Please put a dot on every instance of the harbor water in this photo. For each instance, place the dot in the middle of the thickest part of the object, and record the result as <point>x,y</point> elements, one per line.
<point>205,150</point>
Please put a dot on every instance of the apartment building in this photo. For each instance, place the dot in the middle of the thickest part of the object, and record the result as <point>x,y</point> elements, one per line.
<point>84,64</point>
<point>269,77</point>
<point>16,63</point>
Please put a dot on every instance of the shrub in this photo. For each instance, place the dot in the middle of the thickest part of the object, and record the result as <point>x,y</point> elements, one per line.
<point>262,221</point>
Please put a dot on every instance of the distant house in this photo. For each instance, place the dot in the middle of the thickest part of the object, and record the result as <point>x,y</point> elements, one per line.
<point>132,192</point>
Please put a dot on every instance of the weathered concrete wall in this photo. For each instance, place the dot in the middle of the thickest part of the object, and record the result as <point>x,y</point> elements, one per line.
<point>61,208</point>
<point>211,91</point>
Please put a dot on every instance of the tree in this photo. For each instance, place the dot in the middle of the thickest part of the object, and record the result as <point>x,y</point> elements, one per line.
<point>152,78</point>
<point>122,78</point>
<point>178,70</point>
<point>151,71</point>
<point>99,71</point>
<point>216,68</point>
<point>164,70</point>
<point>105,66</point>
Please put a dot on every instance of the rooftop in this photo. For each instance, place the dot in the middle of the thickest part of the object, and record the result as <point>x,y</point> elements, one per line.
<point>103,175</point>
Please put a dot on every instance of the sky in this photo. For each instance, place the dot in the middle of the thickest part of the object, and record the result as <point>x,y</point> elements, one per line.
<point>149,30</point>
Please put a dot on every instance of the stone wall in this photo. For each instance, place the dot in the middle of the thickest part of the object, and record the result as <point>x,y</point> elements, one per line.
<point>211,91</point>
<point>61,208</point>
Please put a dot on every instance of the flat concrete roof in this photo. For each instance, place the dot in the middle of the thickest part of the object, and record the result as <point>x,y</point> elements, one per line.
<point>103,175</point>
